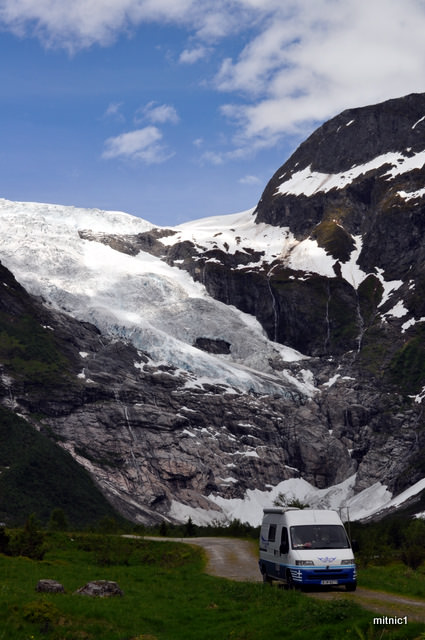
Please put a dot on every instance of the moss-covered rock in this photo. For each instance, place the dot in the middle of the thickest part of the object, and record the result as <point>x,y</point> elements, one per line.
<point>336,241</point>
<point>407,367</point>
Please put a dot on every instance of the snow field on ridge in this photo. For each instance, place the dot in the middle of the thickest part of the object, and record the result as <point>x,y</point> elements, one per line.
<point>307,182</point>
<point>233,232</point>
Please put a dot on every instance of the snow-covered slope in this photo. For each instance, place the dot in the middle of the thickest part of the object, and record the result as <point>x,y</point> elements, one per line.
<point>308,182</point>
<point>374,500</point>
<point>277,245</point>
<point>240,232</point>
<point>140,298</point>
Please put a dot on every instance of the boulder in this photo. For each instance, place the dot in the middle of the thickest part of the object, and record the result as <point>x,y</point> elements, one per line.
<point>49,586</point>
<point>100,589</point>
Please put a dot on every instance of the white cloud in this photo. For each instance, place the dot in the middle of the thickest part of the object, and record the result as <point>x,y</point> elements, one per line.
<point>212,157</point>
<point>141,144</point>
<point>157,113</point>
<point>299,62</point>
<point>190,56</point>
<point>250,180</point>
<point>315,59</point>
<point>114,111</point>
<point>82,23</point>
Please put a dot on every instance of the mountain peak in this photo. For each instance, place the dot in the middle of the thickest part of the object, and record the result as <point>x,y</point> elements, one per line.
<point>357,136</point>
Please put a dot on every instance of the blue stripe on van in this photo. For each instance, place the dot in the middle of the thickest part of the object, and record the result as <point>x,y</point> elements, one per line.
<point>313,575</point>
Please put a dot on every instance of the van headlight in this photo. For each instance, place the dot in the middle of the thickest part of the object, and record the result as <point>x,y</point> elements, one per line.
<point>347,561</point>
<point>304,563</point>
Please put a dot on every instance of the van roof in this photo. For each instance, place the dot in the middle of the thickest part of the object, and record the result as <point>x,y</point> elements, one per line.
<point>306,516</point>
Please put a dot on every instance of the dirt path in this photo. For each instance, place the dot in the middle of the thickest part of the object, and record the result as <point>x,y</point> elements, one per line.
<point>230,558</point>
<point>237,560</point>
<point>226,557</point>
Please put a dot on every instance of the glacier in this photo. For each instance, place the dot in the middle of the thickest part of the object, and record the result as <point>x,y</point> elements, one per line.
<point>158,307</point>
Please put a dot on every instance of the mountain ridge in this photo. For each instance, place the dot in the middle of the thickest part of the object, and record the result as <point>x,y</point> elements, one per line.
<point>221,361</point>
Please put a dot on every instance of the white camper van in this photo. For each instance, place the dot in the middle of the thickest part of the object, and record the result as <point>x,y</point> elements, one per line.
<point>302,547</point>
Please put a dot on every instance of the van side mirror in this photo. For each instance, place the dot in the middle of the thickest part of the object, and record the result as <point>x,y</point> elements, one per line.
<point>355,546</point>
<point>284,548</point>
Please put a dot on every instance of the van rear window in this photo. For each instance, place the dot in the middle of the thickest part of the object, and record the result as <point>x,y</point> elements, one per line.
<point>319,536</point>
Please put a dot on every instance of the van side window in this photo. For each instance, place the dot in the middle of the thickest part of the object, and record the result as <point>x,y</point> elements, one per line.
<point>284,541</point>
<point>272,533</point>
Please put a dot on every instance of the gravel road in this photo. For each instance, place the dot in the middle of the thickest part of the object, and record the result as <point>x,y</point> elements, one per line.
<point>237,560</point>
<point>230,558</point>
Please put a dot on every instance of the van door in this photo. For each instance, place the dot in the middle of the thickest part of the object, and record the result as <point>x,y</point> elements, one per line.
<point>274,549</point>
<point>283,553</point>
<point>268,551</point>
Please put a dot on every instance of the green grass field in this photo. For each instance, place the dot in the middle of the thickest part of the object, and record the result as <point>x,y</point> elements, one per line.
<point>166,597</point>
<point>394,578</point>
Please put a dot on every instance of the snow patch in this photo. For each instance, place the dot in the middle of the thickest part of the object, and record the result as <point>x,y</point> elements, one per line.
<point>417,122</point>
<point>398,310</point>
<point>308,182</point>
<point>339,497</point>
<point>332,380</point>
<point>350,270</point>
<point>412,195</point>
<point>389,286</point>
<point>419,396</point>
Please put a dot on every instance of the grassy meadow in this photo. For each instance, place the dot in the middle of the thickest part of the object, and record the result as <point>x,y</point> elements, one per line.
<point>394,578</point>
<point>167,596</point>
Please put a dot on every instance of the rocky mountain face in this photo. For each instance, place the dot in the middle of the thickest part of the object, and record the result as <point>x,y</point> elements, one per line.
<point>377,155</point>
<point>143,433</point>
<point>354,188</point>
<point>331,263</point>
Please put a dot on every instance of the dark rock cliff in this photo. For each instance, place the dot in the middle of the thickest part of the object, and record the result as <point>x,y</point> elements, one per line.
<point>316,314</point>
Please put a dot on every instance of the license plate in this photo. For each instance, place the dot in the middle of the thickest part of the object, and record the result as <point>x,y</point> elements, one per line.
<point>329,582</point>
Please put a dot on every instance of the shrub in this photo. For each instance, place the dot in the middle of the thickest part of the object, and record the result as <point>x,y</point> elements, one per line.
<point>289,502</point>
<point>190,529</point>
<point>58,520</point>
<point>4,541</point>
<point>29,541</point>
<point>413,549</point>
<point>41,612</point>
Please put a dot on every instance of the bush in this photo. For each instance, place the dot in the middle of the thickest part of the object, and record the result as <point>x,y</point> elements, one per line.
<point>41,612</point>
<point>413,549</point>
<point>58,520</point>
<point>413,556</point>
<point>28,542</point>
<point>190,529</point>
<point>4,541</point>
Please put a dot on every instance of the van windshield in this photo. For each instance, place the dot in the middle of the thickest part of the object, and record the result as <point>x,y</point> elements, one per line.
<point>319,536</point>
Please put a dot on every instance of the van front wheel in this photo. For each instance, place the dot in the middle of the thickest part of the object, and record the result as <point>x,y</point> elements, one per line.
<point>351,586</point>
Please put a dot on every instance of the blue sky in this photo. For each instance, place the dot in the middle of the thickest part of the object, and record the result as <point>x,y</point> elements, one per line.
<point>179,109</point>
